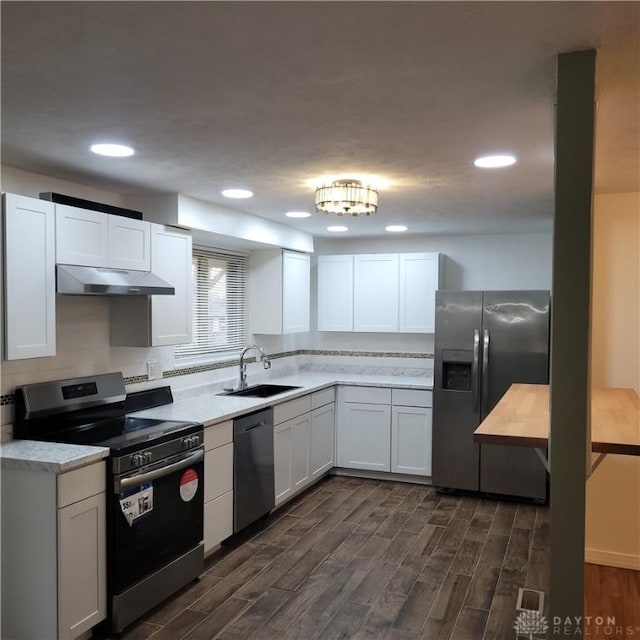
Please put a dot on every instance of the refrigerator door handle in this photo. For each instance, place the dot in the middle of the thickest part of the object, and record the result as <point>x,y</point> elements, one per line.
<point>475,369</point>
<point>485,374</point>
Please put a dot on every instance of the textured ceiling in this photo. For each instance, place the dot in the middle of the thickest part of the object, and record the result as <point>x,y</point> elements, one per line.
<point>268,94</point>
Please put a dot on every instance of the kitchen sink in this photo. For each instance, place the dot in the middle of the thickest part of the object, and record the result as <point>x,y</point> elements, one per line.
<point>260,391</point>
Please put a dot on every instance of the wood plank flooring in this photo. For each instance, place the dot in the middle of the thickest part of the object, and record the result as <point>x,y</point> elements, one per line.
<point>365,560</point>
<point>612,593</point>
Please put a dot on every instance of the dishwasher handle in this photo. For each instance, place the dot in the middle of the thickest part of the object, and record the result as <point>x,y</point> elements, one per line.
<point>256,425</point>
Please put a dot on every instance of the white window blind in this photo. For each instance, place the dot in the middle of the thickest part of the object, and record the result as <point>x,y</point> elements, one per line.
<point>218,303</point>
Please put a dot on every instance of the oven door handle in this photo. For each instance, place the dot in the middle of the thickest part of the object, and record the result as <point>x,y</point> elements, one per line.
<point>132,481</point>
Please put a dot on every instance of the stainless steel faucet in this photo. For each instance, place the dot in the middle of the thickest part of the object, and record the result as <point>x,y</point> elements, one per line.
<point>266,363</point>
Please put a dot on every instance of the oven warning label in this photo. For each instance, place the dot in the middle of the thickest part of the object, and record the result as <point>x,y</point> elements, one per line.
<point>188,485</point>
<point>137,502</point>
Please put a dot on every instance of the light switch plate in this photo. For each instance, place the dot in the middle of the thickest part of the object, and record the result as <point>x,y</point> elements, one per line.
<point>154,370</point>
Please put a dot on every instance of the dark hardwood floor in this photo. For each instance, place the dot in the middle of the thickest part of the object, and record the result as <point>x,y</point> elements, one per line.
<point>612,593</point>
<point>366,560</point>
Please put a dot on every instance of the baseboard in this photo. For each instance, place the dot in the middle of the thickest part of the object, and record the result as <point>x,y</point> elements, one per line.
<point>380,475</point>
<point>612,559</point>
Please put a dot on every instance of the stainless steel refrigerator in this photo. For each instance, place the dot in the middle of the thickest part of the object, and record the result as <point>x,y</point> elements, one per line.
<point>484,342</point>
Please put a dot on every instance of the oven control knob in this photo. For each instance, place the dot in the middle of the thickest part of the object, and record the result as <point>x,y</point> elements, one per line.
<point>137,460</point>
<point>196,440</point>
<point>147,457</point>
<point>186,443</point>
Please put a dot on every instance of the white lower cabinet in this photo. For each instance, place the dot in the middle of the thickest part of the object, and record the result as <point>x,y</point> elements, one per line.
<point>218,484</point>
<point>322,446</point>
<point>411,440</point>
<point>303,442</point>
<point>364,432</point>
<point>62,566</point>
<point>384,430</point>
<point>301,429</point>
<point>81,566</point>
<point>283,461</point>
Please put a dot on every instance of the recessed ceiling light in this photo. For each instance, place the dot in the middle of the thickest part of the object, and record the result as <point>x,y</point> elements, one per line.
<point>337,229</point>
<point>495,162</point>
<point>112,150</point>
<point>395,228</point>
<point>237,193</point>
<point>298,214</point>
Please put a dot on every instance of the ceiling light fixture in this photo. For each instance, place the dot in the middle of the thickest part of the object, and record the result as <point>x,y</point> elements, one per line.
<point>495,162</point>
<point>112,150</point>
<point>348,196</point>
<point>337,229</point>
<point>395,228</point>
<point>237,193</point>
<point>297,214</point>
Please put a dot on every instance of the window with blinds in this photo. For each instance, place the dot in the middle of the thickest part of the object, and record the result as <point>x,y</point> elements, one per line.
<point>218,303</point>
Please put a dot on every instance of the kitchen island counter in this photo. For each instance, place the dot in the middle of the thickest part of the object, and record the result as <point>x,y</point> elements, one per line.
<point>521,418</point>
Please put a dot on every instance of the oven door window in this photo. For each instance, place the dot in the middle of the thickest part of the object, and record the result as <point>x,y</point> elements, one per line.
<point>154,522</point>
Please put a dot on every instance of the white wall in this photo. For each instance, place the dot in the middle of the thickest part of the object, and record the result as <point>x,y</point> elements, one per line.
<point>32,184</point>
<point>613,492</point>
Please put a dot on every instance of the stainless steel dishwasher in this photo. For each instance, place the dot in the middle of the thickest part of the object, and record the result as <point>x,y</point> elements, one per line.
<point>253,483</point>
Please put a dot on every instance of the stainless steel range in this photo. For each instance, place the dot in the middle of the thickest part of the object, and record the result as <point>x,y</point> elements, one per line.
<point>155,483</point>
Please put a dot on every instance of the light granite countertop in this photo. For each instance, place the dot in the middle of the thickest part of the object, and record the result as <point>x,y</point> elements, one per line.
<point>209,408</point>
<point>202,405</point>
<point>51,457</point>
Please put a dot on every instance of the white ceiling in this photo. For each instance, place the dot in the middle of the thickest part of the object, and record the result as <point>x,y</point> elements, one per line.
<point>266,95</point>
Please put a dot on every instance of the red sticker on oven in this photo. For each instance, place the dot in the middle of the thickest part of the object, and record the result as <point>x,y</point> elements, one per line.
<point>188,485</point>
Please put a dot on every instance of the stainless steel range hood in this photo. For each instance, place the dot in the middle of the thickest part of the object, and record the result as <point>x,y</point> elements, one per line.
<point>99,281</point>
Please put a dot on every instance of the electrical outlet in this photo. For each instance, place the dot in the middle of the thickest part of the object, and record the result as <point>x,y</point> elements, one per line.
<point>154,370</point>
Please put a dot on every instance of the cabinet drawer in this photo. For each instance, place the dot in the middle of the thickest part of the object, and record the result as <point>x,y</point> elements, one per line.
<point>218,472</point>
<point>218,520</point>
<point>81,483</point>
<point>370,395</point>
<point>320,398</point>
<point>292,409</point>
<point>218,434</point>
<point>412,398</point>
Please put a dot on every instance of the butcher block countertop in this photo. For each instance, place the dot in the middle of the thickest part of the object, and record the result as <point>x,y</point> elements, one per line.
<point>521,418</point>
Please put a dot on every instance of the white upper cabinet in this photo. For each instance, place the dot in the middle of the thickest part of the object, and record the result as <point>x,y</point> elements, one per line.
<point>279,290</point>
<point>375,297</point>
<point>151,321</point>
<point>417,295</point>
<point>378,292</point>
<point>30,286</point>
<point>82,237</point>
<point>95,239</point>
<point>129,244</point>
<point>335,293</point>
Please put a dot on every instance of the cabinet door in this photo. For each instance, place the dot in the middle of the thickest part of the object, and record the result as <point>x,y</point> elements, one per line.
<point>300,466</point>
<point>375,293</point>
<point>82,587</point>
<point>335,293</point>
<point>171,316</point>
<point>411,440</point>
<point>322,445</point>
<point>82,237</point>
<point>364,436</point>
<point>218,520</point>
<point>295,292</point>
<point>283,460</point>
<point>30,284</point>
<point>417,296</point>
<point>218,471</point>
<point>129,243</point>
